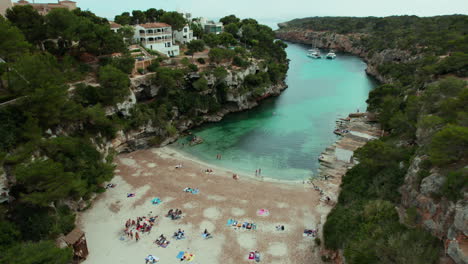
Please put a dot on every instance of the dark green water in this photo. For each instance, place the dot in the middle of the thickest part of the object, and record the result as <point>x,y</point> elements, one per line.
<point>285,135</point>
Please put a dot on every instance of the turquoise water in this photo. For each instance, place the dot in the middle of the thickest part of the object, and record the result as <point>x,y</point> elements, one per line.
<point>285,135</point>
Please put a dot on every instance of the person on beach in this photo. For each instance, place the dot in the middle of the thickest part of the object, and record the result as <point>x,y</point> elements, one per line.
<point>256,172</point>
<point>137,236</point>
<point>259,171</point>
<point>131,235</point>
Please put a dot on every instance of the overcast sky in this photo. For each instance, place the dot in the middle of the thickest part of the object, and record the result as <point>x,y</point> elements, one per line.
<point>280,10</point>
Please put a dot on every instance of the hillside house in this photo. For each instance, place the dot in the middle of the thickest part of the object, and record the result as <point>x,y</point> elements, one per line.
<point>114,26</point>
<point>45,8</point>
<point>157,37</point>
<point>184,36</point>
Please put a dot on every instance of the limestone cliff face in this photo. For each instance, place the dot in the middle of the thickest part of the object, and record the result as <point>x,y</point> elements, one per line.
<point>447,220</point>
<point>144,89</point>
<point>345,43</point>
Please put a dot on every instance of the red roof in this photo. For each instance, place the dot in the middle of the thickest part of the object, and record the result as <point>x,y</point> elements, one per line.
<point>155,25</point>
<point>114,25</point>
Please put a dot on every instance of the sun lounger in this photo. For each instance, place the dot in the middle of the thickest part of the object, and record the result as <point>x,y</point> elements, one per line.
<point>156,201</point>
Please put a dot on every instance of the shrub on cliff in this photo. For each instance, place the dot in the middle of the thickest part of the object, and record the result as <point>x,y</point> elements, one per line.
<point>218,55</point>
<point>449,145</point>
<point>114,85</point>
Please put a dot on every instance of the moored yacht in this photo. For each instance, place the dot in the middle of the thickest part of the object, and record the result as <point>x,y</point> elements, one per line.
<point>331,55</point>
<point>315,54</point>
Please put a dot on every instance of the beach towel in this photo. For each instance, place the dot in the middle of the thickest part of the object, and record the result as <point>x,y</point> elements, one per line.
<point>230,222</point>
<point>156,200</point>
<point>195,191</point>
<point>252,255</point>
<point>263,212</point>
<point>164,245</point>
<point>130,195</point>
<point>180,255</point>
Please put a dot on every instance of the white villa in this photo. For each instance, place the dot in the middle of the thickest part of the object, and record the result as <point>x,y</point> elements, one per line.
<point>114,26</point>
<point>156,36</point>
<point>184,36</point>
<point>209,26</point>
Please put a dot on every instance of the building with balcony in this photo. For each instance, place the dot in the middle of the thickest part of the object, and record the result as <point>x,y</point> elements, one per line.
<point>184,36</point>
<point>156,36</point>
<point>4,5</point>
<point>45,8</point>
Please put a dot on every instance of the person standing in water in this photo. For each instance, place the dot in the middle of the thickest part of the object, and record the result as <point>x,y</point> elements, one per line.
<point>259,172</point>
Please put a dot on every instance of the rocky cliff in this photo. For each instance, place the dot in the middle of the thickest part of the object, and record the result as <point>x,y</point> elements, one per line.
<point>345,43</point>
<point>445,219</point>
<point>144,88</point>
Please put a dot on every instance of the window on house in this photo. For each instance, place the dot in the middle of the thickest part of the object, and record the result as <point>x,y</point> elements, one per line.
<point>185,29</point>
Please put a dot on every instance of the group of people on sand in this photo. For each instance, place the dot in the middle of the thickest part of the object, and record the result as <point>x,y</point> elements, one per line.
<point>208,171</point>
<point>174,214</point>
<point>280,228</point>
<point>180,234</point>
<point>255,255</point>
<point>142,224</point>
<point>218,156</point>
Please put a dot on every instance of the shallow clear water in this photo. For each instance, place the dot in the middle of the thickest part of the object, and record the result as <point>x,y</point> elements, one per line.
<point>285,135</point>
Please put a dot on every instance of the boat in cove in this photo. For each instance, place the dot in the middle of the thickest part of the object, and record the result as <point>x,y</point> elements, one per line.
<point>331,55</point>
<point>314,52</point>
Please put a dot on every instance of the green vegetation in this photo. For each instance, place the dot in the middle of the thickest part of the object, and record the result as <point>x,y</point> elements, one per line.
<point>61,86</point>
<point>423,107</point>
<point>51,170</point>
<point>175,19</point>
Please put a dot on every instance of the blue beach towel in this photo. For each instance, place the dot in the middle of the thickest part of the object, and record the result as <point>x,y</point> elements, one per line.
<point>156,201</point>
<point>230,222</point>
<point>195,191</point>
<point>180,255</point>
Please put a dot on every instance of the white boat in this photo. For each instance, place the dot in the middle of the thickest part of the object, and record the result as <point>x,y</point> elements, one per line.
<point>331,55</point>
<point>314,54</point>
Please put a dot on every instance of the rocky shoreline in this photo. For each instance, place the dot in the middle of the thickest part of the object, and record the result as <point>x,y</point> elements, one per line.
<point>337,159</point>
<point>348,43</point>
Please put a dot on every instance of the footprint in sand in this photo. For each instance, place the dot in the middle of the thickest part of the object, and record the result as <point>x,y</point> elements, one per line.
<point>212,213</point>
<point>247,240</point>
<point>128,162</point>
<point>237,212</point>
<point>190,205</point>
<point>151,165</point>
<point>282,205</point>
<point>216,198</point>
<point>277,249</point>
<point>137,173</point>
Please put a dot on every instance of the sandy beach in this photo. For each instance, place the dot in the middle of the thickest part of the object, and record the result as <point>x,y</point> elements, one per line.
<point>151,173</point>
